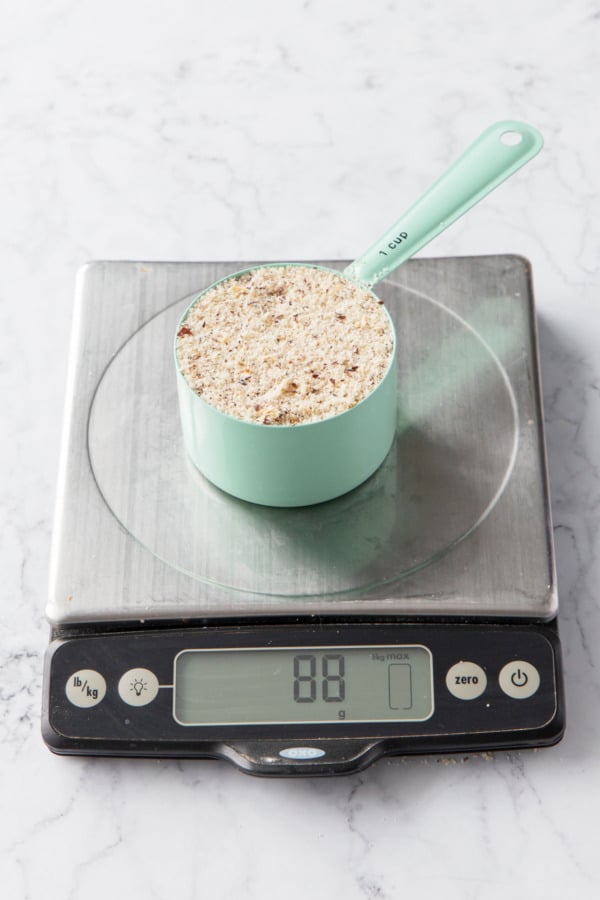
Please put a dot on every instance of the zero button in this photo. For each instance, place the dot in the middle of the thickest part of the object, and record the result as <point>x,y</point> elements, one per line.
<point>466,680</point>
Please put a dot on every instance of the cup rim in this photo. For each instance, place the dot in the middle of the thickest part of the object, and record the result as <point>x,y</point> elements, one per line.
<point>283,426</point>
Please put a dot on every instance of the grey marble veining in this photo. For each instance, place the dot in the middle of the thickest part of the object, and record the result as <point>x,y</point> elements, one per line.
<point>298,131</point>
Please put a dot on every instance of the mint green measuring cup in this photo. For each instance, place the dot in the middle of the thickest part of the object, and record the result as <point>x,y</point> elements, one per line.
<point>307,463</point>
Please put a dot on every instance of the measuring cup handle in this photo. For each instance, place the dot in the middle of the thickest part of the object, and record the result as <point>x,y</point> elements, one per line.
<point>496,154</point>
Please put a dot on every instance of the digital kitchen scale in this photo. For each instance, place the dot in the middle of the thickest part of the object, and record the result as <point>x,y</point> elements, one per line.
<point>415,614</point>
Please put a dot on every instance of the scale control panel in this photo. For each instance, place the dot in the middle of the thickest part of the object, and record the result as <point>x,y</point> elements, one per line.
<point>304,700</point>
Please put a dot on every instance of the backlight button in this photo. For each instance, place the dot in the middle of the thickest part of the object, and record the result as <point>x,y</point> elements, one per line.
<point>138,687</point>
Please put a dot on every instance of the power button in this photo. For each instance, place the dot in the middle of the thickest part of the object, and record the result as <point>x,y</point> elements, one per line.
<point>519,679</point>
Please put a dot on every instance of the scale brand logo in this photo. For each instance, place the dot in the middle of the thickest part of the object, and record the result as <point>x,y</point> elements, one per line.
<point>302,753</point>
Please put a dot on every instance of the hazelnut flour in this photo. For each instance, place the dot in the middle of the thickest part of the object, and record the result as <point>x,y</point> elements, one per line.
<point>282,345</point>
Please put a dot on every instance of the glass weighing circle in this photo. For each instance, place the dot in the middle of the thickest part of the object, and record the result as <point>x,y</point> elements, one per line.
<point>454,451</point>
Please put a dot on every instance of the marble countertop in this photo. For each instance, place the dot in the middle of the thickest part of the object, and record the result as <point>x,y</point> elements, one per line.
<point>190,130</point>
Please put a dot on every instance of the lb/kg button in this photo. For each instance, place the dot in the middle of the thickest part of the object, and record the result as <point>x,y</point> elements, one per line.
<point>519,679</point>
<point>466,680</point>
<point>85,688</point>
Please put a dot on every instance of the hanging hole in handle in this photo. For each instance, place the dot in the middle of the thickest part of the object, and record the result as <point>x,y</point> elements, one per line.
<point>510,138</point>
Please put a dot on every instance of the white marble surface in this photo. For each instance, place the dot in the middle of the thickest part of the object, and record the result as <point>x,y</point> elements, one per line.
<point>196,130</point>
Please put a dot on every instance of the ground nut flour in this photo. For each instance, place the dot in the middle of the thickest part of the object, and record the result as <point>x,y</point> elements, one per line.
<point>282,345</point>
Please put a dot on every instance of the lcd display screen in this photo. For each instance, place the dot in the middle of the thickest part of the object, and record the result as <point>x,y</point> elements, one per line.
<point>303,685</point>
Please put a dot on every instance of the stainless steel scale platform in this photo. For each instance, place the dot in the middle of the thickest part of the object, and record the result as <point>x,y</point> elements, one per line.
<point>452,533</point>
